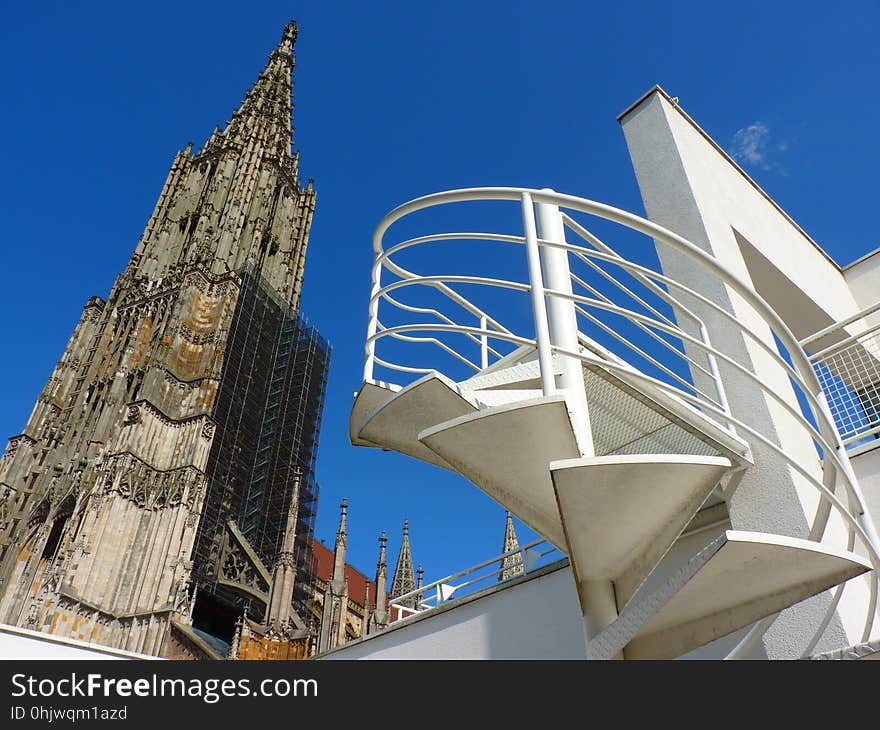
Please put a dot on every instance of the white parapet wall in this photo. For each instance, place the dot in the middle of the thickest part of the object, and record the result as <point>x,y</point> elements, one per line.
<point>534,617</point>
<point>18,643</point>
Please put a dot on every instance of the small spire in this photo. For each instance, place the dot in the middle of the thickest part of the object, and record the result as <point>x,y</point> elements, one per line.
<point>380,615</point>
<point>383,540</point>
<point>343,512</point>
<point>365,622</point>
<point>417,599</point>
<point>512,564</point>
<point>341,542</point>
<point>404,576</point>
<point>288,37</point>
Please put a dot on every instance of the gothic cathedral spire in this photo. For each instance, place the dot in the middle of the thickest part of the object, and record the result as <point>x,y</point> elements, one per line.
<point>238,203</point>
<point>262,124</point>
<point>379,618</point>
<point>512,564</point>
<point>341,544</point>
<point>152,485</point>
<point>404,576</point>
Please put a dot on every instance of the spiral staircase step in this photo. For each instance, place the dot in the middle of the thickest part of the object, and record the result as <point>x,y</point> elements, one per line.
<point>737,579</point>
<point>371,395</point>
<point>621,514</point>
<point>505,450</point>
<point>396,423</point>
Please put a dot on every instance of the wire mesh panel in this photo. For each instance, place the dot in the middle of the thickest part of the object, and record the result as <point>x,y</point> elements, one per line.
<point>850,377</point>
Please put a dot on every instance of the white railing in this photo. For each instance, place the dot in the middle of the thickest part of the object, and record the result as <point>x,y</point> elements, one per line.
<point>528,558</point>
<point>640,324</point>
<point>848,366</point>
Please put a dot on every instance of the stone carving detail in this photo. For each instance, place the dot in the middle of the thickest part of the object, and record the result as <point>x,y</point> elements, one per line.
<point>196,338</point>
<point>145,408</point>
<point>133,479</point>
<point>16,442</point>
<point>236,568</point>
<point>5,509</point>
<point>133,415</point>
<point>286,559</point>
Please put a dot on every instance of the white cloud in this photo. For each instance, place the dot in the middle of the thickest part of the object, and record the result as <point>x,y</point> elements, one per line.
<point>750,144</point>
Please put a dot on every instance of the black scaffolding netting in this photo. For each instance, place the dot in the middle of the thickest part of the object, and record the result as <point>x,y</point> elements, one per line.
<point>268,415</point>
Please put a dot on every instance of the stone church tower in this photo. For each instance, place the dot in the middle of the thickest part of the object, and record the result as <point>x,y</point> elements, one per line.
<point>166,475</point>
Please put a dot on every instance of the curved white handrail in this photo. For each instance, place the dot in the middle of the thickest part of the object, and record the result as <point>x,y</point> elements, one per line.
<point>837,471</point>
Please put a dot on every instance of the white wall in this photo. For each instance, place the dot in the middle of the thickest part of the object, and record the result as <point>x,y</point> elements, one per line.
<point>866,464</point>
<point>863,277</point>
<point>537,618</point>
<point>16,643</point>
<point>692,187</point>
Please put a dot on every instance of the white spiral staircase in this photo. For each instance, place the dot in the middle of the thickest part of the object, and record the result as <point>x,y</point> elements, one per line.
<point>606,462</point>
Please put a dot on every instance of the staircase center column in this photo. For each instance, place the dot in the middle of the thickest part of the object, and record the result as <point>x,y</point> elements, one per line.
<point>562,323</point>
<point>597,598</point>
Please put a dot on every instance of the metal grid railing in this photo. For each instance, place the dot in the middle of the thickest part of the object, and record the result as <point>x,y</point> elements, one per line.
<point>849,372</point>
<point>489,573</point>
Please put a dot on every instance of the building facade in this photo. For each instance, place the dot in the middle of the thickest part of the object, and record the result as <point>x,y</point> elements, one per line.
<point>164,486</point>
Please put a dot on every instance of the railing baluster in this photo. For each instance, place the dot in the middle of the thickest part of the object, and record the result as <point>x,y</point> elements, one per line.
<point>539,309</point>
<point>484,344</point>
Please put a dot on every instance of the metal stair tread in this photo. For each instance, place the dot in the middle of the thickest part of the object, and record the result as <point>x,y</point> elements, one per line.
<point>737,579</point>
<point>396,423</point>
<point>621,514</point>
<point>371,394</point>
<point>505,451</point>
<point>676,411</point>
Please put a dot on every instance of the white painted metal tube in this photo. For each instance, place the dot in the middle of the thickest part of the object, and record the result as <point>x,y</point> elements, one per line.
<point>484,344</point>
<point>843,344</point>
<point>647,330</point>
<point>863,516</point>
<point>563,324</point>
<point>539,309</point>
<point>442,317</point>
<point>640,273</point>
<point>474,568</point>
<point>716,374</point>
<point>834,326</point>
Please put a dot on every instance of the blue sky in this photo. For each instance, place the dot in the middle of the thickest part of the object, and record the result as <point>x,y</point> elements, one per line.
<point>394,100</point>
